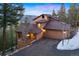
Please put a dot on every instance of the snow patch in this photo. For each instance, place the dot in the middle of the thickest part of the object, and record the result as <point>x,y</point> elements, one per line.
<point>69,44</point>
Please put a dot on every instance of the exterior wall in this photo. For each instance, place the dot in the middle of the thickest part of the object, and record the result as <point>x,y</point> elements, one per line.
<point>54,34</point>
<point>40,18</point>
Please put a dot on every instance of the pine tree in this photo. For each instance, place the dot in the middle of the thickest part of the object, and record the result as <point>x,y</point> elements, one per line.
<point>10,14</point>
<point>62,13</point>
<point>78,15</point>
<point>73,14</point>
<point>54,14</point>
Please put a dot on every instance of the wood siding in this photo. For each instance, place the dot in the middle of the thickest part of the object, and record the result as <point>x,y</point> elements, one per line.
<point>40,18</point>
<point>54,34</point>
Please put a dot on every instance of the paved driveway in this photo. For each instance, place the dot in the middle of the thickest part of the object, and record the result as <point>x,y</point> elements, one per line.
<point>45,47</point>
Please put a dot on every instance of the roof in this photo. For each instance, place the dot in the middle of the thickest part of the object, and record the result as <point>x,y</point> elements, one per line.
<point>41,21</point>
<point>43,14</point>
<point>33,28</point>
<point>50,17</point>
<point>57,25</point>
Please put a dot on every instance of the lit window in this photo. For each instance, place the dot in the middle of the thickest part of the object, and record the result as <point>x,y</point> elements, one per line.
<point>39,25</point>
<point>27,35</point>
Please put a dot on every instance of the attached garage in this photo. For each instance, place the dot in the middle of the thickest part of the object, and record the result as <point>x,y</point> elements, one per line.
<point>57,30</point>
<point>56,34</point>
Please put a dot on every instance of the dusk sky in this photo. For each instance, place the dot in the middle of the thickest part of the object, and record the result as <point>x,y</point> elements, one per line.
<point>42,8</point>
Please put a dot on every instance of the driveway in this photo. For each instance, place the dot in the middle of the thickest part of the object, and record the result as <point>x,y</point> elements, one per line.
<point>45,47</point>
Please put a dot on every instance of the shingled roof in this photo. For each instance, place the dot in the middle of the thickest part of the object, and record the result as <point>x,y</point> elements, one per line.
<point>57,25</point>
<point>34,28</point>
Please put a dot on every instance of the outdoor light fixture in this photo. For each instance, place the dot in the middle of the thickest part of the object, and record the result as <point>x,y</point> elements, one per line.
<point>31,36</point>
<point>64,32</point>
<point>27,35</point>
<point>43,30</point>
<point>39,25</point>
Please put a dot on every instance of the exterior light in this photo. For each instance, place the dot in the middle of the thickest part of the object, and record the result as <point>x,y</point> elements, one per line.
<point>39,25</point>
<point>32,36</point>
<point>27,35</point>
<point>64,32</point>
<point>43,30</point>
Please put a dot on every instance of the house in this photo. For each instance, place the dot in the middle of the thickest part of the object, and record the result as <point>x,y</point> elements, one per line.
<point>55,29</point>
<point>43,26</point>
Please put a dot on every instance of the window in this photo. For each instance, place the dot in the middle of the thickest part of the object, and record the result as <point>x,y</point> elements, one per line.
<point>19,34</point>
<point>42,16</point>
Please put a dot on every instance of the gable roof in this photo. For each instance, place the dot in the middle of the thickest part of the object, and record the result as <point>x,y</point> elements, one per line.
<point>48,15</point>
<point>57,25</point>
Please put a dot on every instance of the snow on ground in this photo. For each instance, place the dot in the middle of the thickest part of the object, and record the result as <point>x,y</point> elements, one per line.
<point>69,44</point>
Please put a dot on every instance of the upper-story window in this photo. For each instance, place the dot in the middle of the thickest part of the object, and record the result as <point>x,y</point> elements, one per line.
<point>42,16</point>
